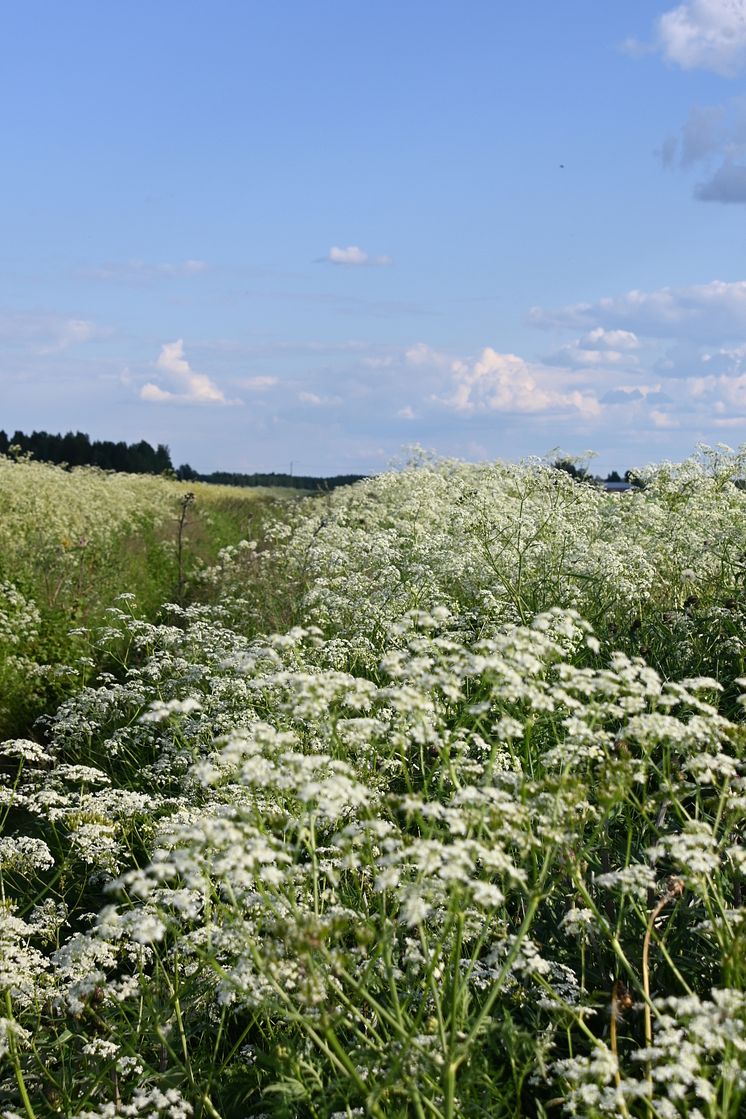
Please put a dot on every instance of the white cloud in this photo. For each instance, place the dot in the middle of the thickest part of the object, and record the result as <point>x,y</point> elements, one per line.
<point>663,419</point>
<point>46,333</point>
<point>351,255</point>
<point>406,413</point>
<point>71,332</point>
<point>720,393</point>
<point>716,310</point>
<point>611,339</point>
<point>421,354</point>
<point>506,383</point>
<point>151,392</point>
<point>598,348</point>
<point>705,35</point>
<point>315,400</point>
<point>354,255</point>
<point>194,388</point>
<point>257,384</point>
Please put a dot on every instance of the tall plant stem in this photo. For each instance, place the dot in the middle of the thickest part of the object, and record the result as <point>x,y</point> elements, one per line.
<point>675,889</point>
<point>13,1049</point>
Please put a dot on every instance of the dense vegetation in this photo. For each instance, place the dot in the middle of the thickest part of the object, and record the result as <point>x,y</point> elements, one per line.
<point>71,541</point>
<point>433,806</point>
<point>77,449</point>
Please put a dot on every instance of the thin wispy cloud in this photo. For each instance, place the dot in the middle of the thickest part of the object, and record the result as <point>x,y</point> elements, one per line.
<point>257,384</point>
<point>144,272</point>
<point>46,333</point>
<point>354,256</point>
<point>712,141</point>
<point>71,332</point>
<point>191,387</point>
<point>727,184</point>
<point>316,400</point>
<point>406,413</point>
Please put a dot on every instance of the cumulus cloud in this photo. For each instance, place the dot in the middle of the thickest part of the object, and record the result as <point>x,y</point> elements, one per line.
<point>655,365</point>
<point>598,348</point>
<point>354,255</point>
<point>713,311</point>
<point>192,387</point>
<point>705,35</point>
<point>611,340</point>
<point>723,391</point>
<point>498,382</point>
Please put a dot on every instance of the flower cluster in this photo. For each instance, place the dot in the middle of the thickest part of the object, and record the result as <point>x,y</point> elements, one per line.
<point>439,846</point>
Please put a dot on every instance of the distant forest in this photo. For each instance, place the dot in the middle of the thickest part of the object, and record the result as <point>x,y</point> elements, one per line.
<point>78,449</point>
<point>289,481</point>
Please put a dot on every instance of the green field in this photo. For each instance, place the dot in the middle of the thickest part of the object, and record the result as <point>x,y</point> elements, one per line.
<point>422,798</point>
<point>72,541</point>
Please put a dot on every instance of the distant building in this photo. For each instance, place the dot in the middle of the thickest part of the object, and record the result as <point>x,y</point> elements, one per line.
<point>617,487</point>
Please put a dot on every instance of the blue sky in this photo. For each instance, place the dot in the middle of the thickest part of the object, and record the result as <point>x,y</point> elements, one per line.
<point>266,233</point>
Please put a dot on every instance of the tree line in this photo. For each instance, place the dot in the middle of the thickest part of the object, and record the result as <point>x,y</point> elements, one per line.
<point>77,449</point>
<point>185,473</point>
<point>582,474</point>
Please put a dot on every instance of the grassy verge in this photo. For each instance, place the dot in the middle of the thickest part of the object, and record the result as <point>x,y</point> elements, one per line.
<point>71,542</point>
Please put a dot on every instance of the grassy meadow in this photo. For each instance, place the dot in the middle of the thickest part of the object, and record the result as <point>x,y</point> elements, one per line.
<point>72,541</point>
<point>422,798</point>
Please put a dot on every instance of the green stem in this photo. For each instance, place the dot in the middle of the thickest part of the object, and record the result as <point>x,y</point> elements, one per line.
<point>489,1002</point>
<point>453,1062</point>
<point>13,1050</point>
